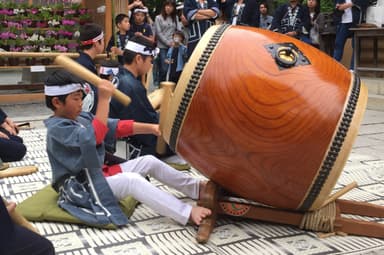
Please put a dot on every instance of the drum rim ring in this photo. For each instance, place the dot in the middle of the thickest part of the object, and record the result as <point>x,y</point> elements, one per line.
<point>192,84</point>
<point>335,148</point>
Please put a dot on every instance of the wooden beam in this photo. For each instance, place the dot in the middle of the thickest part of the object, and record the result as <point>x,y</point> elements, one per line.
<point>30,97</point>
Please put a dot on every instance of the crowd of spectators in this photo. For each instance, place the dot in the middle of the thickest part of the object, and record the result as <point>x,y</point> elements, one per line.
<point>295,18</point>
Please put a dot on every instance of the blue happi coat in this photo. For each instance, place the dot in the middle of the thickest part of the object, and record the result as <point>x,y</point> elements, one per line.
<point>76,163</point>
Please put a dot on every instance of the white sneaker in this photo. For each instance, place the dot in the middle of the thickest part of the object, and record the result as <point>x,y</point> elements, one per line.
<point>176,162</point>
<point>175,159</point>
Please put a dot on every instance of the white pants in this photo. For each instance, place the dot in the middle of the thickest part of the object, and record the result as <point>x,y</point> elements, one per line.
<point>132,182</point>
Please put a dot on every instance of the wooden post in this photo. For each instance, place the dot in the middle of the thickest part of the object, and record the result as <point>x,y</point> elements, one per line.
<point>108,20</point>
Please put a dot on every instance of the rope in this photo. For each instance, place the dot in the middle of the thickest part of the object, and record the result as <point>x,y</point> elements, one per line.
<point>320,220</point>
<point>323,219</point>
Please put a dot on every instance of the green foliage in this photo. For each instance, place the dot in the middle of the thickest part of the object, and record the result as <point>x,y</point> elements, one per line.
<point>154,7</point>
<point>327,5</point>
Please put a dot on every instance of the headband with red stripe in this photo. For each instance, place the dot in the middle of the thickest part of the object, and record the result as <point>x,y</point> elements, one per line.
<point>91,41</point>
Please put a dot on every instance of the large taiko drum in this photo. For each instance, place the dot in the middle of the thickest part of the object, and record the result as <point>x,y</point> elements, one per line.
<point>265,116</point>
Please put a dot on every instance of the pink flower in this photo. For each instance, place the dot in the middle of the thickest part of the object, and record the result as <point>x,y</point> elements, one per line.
<point>60,48</point>
<point>69,12</point>
<point>3,12</point>
<point>10,12</point>
<point>15,48</point>
<point>83,11</point>
<point>34,10</point>
<point>14,24</point>
<point>23,35</point>
<point>26,22</point>
<point>50,33</point>
<point>7,35</point>
<point>72,45</point>
<point>68,22</point>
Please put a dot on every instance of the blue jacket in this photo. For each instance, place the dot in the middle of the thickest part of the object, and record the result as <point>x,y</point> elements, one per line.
<point>73,155</point>
<point>140,109</point>
<point>280,22</point>
<point>198,27</point>
<point>181,57</point>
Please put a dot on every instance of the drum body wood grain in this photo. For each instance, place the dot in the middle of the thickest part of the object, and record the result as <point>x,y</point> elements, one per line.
<point>265,116</point>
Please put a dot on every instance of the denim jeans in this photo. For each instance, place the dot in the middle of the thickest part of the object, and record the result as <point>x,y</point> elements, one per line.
<point>155,72</point>
<point>163,67</point>
<point>342,34</point>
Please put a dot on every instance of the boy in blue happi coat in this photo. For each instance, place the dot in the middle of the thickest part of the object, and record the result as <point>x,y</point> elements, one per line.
<point>87,189</point>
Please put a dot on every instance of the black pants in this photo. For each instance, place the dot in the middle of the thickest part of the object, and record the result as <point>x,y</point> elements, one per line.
<point>17,240</point>
<point>11,149</point>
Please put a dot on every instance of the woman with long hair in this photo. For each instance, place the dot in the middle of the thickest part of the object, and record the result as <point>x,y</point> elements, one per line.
<point>314,11</point>
<point>166,23</point>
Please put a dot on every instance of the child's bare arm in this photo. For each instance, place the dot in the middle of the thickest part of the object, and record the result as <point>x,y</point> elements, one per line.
<point>146,128</point>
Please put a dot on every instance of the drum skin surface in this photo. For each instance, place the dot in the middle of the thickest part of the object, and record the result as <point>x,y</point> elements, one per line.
<point>275,134</point>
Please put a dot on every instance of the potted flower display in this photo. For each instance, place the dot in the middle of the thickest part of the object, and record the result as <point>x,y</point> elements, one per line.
<point>43,28</point>
<point>30,61</point>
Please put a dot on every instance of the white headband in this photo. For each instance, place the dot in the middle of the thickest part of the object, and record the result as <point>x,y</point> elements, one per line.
<point>57,90</point>
<point>91,41</point>
<point>141,49</point>
<point>108,70</point>
<point>143,10</point>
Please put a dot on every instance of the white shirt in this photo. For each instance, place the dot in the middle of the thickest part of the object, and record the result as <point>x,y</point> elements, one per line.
<point>347,16</point>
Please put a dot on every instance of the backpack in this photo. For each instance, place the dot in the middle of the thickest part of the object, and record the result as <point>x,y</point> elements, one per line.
<point>325,23</point>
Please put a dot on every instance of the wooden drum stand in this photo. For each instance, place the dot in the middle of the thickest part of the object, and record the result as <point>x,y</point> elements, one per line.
<point>327,219</point>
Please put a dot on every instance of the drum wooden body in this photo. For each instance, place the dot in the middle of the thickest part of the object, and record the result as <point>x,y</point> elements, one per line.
<point>265,116</point>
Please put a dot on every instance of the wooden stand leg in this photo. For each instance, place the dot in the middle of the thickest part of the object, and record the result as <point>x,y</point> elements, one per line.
<point>219,205</point>
<point>359,227</point>
<point>209,200</point>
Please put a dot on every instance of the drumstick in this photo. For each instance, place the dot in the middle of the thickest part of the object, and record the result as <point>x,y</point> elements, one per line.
<point>20,220</point>
<point>25,124</point>
<point>156,97</point>
<point>161,146</point>
<point>339,193</point>
<point>80,71</point>
<point>16,171</point>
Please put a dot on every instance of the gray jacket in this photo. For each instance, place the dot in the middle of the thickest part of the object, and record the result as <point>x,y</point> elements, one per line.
<point>164,30</point>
